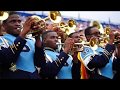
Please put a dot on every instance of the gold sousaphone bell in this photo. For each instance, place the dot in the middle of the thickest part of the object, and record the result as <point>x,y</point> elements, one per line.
<point>96,24</point>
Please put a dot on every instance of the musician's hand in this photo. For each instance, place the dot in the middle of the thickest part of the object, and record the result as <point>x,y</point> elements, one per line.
<point>111,37</point>
<point>68,45</point>
<point>38,28</point>
<point>117,37</point>
<point>117,43</point>
<point>27,26</point>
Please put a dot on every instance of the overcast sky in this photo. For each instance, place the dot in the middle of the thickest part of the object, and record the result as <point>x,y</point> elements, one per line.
<point>102,16</point>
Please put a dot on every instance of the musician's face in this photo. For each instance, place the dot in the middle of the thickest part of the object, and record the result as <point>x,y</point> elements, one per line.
<point>51,40</point>
<point>13,24</point>
<point>82,35</point>
<point>76,37</point>
<point>94,32</point>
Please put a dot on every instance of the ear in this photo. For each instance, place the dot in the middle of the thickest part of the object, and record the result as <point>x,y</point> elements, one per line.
<point>3,25</point>
<point>44,40</point>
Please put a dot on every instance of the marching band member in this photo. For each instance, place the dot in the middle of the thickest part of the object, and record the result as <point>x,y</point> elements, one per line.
<point>17,57</point>
<point>116,61</point>
<point>98,62</point>
<point>58,65</point>
<point>77,36</point>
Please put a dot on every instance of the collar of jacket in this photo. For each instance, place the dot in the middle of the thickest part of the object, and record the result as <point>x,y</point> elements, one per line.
<point>48,48</point>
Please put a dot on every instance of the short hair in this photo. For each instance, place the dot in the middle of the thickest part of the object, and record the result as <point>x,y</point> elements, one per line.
<point>44,34</point>
<point>10,13</point>
<point>88,29</point>
<point>81,30</point>
<point>70,35</point>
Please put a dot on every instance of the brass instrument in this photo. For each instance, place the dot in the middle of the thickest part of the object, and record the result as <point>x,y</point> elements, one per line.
<point>77,46</point>
<point>68,27</point>
<point>62,24</point>
<point>107,30</point>
<point>72,24</point>
<point>105,36</point>
<point>3,15</point>
<point>38,25</point>
<point>98,25</point>
<point>93,43</point>
<point>54,16</point>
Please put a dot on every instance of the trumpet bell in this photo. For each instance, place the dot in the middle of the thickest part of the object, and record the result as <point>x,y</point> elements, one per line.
<point>62,24</point>
<point>70,27</point>
<point>72,24</point>
<point>93,43</point>
<point>3,15</point>
<point>38,25</point>
<point>55,16</point>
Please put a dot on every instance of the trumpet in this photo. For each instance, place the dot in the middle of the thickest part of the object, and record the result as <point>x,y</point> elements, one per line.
<point>54,16</point>
<point>3,15</point>
<point>70,24</point>
<point>62,24</point>
<point>105,36</point>
<point>93,43</point>
<point>77,46</point>
<point>68,27</point>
